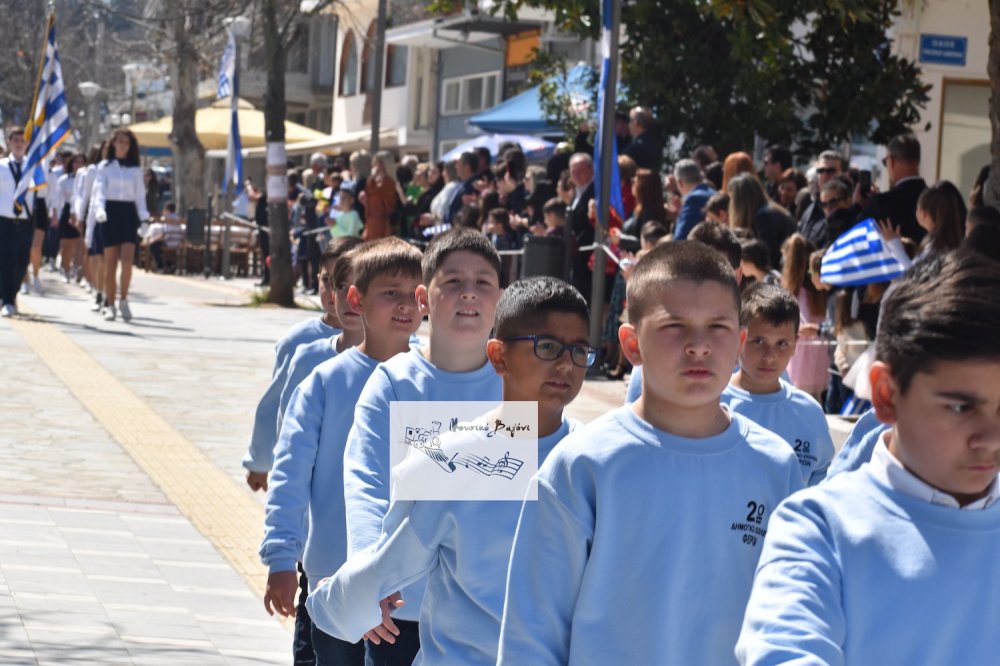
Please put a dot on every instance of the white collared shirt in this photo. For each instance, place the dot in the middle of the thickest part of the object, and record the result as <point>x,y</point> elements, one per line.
<point>117,183</point>
<point>7,187</point>
<point>888,470</point>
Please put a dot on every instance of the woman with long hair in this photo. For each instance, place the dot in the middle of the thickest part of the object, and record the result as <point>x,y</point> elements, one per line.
<point>753,215</point>
<point>808,366</point>
<point>736,164</point>
<point>121,205</point>
<point>649,206</point>
<point>941,212</point>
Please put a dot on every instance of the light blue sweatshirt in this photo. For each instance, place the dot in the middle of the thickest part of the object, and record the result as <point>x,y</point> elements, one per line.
<point>462,547</point>
<point>854,572</point>
<point>793,415</point>
<point>306,358</point>
<point>366,461</point>
<point>260,454</point>
<point>308,476</point>
<point>860,444</point>
<point>642,545</point>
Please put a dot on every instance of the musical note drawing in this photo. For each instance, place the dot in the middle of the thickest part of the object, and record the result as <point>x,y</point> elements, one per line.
<point>427,440</point>
<point>506,467</point>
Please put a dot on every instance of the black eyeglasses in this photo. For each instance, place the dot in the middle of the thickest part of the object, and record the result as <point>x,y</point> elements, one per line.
<point>826,170</point>
<point>548,348</point>
<point>831,203</point>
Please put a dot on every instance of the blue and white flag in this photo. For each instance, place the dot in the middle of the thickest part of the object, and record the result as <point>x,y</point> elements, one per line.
<point>859,257</point>
<point>604,98</point>
<point>49,124</point>
<point>229,86</point>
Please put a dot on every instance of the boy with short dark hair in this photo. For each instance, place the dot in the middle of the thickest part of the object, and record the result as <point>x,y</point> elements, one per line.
<point>720,238</point>
<point>260,454</point>
<point>305,516</point>
<point>554,216</point>
<point>771,316</point>
<point>651,233</point>
<point>540,350</point>
<point>590,579</point>
<point>895,563</point>
<point>460,290</point>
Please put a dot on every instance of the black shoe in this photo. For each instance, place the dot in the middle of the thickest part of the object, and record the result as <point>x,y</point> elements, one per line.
<point>263,283</point>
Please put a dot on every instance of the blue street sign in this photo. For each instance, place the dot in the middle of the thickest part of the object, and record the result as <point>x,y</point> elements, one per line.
<point>943,49</point>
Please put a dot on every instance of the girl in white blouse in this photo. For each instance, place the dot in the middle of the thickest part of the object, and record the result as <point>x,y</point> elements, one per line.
<point>69,226</point>
<point>120,201</point>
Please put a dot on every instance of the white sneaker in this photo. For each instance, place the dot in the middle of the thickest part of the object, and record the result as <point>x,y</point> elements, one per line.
<point>36,284</point>
<point>8,311</point>
<point>98,303</point>
<point>24,289</point>
<point>109,313</point>
<point>66,278</point>
<point>126,312</point>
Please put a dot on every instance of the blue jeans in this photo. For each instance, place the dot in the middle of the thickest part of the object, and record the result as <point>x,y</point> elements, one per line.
<point>400,653</point>
<point>332,651</point>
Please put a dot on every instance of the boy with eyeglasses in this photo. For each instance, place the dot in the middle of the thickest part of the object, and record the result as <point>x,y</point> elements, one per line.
<point>540,351</point>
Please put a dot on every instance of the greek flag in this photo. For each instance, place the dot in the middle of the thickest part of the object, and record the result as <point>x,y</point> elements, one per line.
<point>229,86</point>
<point>602,99</point>
<point>49,124</point>
<point>859,257</point>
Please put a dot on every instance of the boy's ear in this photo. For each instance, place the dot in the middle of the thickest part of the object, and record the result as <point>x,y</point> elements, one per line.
<point>885,392</point>
<point>629,340</point>
<point>495,352</point>
<point>354,297</point>
<point>422,301</point>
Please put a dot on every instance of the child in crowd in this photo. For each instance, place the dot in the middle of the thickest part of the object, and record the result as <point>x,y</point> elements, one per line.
<point>260,454</point>
<point>895,563</point>
<point>808,368</point>
<point>305,506</point>
<point>540,351</point>
<point>308,356</point>
<point>717,208</point>
<point>344,219</point>
<point>590,579</point>
<point>756,263</point>
<point>554,216</point>
<point>460,290</point>
<point>771,317</point>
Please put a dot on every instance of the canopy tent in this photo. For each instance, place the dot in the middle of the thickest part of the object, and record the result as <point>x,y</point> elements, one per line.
<point>212,126</point>
<point>533,147</point>
<point>523,114</point>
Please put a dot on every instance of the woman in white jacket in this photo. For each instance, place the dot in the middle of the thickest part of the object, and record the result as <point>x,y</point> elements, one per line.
<point>120,201</point>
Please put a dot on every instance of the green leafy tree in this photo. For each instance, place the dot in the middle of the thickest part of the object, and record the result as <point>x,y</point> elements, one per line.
<point>812,72</point>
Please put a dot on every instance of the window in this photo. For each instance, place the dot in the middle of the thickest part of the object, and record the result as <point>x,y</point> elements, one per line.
<point>446,147</point>
<point>395,65</point>
<point>368,61</point>
<point>470,94</point>
<point>348,67</point>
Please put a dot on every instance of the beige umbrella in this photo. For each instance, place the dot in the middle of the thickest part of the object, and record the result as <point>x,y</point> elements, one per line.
<point>212,126</point>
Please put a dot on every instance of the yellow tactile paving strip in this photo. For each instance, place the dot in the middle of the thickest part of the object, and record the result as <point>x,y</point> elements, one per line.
<point>217,507</point>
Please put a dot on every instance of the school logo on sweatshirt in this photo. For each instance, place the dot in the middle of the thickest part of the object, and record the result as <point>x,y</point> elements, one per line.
<point>751,524</point>
<point>803,451</point>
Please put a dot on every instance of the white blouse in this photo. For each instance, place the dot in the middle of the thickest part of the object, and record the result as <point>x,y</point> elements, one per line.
<point>117,183</point>
<point>7,187</point>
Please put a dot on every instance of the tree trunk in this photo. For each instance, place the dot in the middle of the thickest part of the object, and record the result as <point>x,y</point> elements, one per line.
<point>188,153</point>
<point>282,279</point>
<point>991,192</point>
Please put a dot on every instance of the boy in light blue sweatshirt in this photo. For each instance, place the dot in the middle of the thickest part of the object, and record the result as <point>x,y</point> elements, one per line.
<point>305,509</point>
<point>461,286</point>
<point>896,562</point>
<point>260,454</point>
<point>540,350</point>
<point>309,356</point>
<point>649,521</point>
<point>757,391</point>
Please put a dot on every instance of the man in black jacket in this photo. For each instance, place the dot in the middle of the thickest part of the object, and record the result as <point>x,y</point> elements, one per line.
<point>899,204</point>
<point>645,148</point>
<point>581,171</point>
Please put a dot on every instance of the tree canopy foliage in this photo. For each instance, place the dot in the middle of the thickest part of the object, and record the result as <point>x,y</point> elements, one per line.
<point>810,72</point>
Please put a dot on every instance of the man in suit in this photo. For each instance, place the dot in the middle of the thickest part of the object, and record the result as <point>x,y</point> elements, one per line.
<point>695,194</point>
<point>645,149</point>
<point>899,204</point>
<point>581,172</point>
<point>830,165</point>
<point>16,230</point>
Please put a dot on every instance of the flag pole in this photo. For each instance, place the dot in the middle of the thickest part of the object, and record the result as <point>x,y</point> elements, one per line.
<point>610,21</point>
<point>29,129</point>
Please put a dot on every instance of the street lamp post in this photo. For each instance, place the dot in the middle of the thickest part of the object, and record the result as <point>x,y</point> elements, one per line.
<point>89,90</point>
<point>132,71</point>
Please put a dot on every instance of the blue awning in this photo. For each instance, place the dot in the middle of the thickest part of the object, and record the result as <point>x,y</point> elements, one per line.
<point>522,114</point>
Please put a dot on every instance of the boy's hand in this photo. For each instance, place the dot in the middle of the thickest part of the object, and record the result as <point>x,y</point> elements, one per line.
<point>257,481</point>
<point>387,630</point>
<point>280,593</point>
